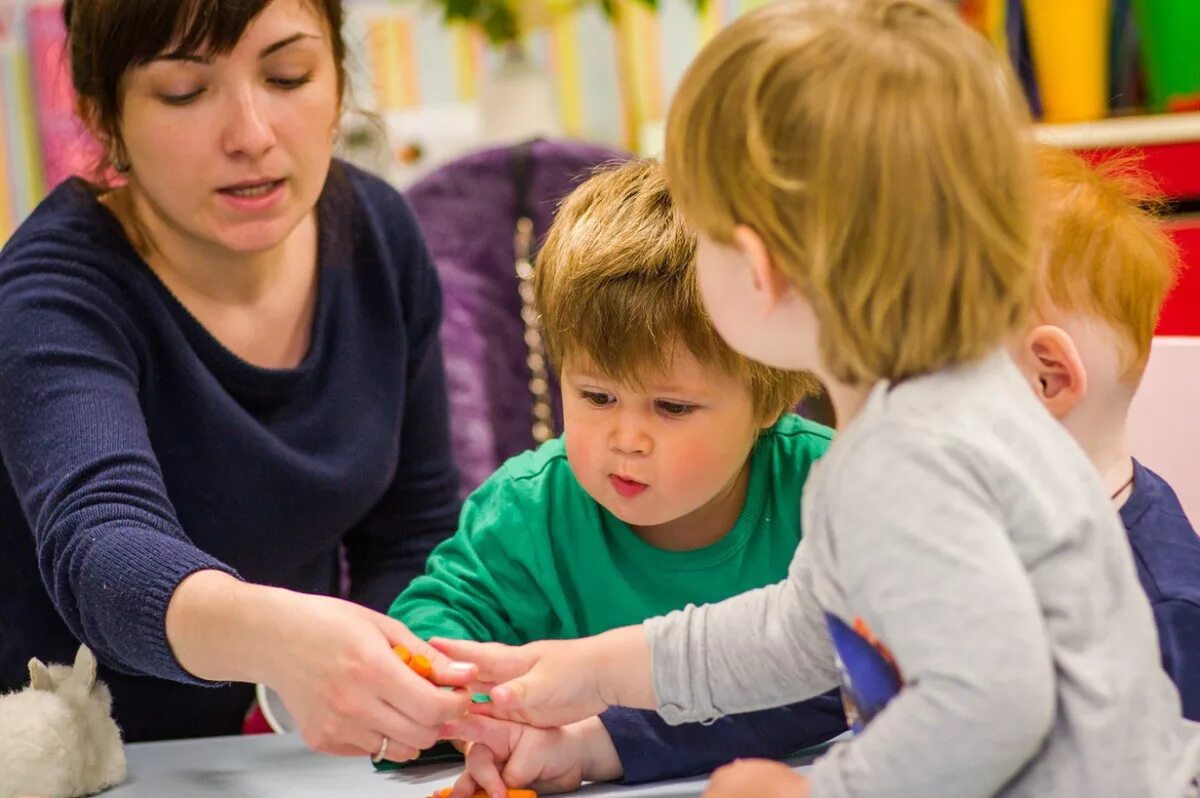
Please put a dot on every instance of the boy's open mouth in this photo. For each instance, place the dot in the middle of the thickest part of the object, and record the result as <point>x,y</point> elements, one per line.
<point>626,488</point>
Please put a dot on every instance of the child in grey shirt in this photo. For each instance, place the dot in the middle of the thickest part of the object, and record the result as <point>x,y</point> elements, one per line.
<point>860,175</point>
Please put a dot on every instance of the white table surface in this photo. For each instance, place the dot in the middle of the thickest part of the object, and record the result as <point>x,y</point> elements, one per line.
<point>280,766</point>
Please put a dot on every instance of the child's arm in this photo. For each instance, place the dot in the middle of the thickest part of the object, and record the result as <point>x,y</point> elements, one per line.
<point>764,648</point>
<point>650,749</point>
<point>481,583</point>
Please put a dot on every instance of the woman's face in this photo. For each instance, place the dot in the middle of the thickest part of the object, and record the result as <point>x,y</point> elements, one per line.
<point>231,152</point>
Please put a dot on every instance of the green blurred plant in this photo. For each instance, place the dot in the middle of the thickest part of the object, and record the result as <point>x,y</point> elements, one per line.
<point>504,21</point>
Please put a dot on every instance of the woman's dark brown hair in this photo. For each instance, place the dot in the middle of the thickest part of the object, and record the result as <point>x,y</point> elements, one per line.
<point>105,38</point>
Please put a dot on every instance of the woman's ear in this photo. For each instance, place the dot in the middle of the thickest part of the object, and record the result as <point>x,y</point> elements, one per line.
<point>1051,362</point>
<point>769,282</point>
<point>109,141</point>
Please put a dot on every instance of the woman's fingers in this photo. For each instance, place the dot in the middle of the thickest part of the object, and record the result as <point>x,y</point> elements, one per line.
<point>413,698</point>
<point>424,659</point>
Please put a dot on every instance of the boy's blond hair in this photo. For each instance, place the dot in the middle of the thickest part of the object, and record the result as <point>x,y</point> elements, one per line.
<point>1104,251</point>
<point>615,282</point>
<point>880,149</point>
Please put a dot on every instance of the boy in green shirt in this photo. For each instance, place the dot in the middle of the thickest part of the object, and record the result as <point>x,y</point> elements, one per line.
<point>677,481</point>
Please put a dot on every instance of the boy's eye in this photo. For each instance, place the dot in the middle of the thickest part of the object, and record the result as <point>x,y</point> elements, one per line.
<point>597,398</point>
<point>675,409</point>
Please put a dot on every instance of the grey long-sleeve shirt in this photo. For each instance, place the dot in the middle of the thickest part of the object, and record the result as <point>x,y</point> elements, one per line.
<point>966,537</point>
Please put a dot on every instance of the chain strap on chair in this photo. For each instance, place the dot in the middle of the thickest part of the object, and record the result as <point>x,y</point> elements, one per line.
<point>539,376</point>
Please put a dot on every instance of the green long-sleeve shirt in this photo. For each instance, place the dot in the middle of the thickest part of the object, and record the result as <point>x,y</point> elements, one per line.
<point>535,557</point>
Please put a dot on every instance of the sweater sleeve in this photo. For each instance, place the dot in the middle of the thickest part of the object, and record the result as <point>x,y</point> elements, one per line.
<point>650,749</point>
<point>388,548</point>
<point>764,648</point>
<point>1178,623</point>
<point>481,584</point>
<point>73,438</point>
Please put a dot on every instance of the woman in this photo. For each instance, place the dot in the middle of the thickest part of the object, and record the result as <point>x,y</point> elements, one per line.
<point>216,371</point>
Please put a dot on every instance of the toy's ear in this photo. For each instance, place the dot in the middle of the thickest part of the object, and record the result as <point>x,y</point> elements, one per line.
<point>39,676</point>
<point>84,671</point>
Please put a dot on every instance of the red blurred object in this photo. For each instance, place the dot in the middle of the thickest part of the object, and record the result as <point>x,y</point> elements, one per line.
<point>255,722</point>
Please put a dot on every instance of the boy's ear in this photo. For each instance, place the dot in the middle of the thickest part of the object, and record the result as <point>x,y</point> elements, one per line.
<point>768,281</point>
<point>39,676</point>
<point>1051,361</point>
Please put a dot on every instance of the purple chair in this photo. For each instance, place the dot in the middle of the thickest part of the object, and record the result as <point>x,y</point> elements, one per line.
<point>469,210</point>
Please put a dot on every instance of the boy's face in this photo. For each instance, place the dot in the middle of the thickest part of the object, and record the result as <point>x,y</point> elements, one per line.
<point>650,455</point>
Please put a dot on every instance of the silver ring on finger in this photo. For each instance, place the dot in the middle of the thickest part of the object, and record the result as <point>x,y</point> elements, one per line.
<point>382,751</point>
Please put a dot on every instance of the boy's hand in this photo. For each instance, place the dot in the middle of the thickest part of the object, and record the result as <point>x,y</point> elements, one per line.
<point>553,683</point>
<point>504,755</point>
<point>758,777</point>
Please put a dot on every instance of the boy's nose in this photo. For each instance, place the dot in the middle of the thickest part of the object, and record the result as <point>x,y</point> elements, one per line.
<point>631,439</point>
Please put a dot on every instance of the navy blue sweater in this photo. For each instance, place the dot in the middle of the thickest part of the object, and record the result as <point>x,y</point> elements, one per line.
<point>137,449</point>
<point>1166,552</point>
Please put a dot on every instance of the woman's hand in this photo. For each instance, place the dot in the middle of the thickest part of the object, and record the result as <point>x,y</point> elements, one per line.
<point>331,662</point>
<point>556,682</point>
<point>761,778</point>
<point>503,755</point>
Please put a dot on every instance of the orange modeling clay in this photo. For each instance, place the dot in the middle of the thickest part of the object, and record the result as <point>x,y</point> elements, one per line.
<point>445,793</point>
<point>422,667</point>
<point>419,664</point>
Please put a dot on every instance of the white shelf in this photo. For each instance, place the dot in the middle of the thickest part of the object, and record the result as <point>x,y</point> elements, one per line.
<point>1128,131</point>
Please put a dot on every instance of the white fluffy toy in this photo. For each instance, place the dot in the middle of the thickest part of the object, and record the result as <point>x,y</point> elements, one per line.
<point>57,736</point>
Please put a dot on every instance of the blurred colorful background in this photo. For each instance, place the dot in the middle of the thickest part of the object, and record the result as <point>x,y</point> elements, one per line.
<point>433,79</point>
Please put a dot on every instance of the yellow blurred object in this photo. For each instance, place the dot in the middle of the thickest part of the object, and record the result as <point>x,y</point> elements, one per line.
<point>1069,40</point>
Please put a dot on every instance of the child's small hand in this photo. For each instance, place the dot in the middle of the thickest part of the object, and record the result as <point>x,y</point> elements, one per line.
<point>556,682</point>
<point>758,777</point>
<point>505,755</point>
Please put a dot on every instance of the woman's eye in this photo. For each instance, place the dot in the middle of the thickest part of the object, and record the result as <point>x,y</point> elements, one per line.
<point>291,83</point>
<point>675,409</point>
<point>597,399</point>
<point>181,99</point>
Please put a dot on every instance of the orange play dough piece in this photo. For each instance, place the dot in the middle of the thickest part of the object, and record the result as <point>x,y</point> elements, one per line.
<point>445,793</point>
<point>422,667</point>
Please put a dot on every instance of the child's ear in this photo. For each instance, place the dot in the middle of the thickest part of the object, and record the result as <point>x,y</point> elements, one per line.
<point>39,676</point>
<point>768,281</point>
<point>1055,370</point>
<point>84,671</point>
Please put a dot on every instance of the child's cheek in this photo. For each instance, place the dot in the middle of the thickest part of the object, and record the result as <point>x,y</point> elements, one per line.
<point>693,464</point>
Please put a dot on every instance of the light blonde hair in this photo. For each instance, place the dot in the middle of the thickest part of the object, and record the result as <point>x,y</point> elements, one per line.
<point>880,149</point>
<point>1104,251</point>
<point>615,282</point>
